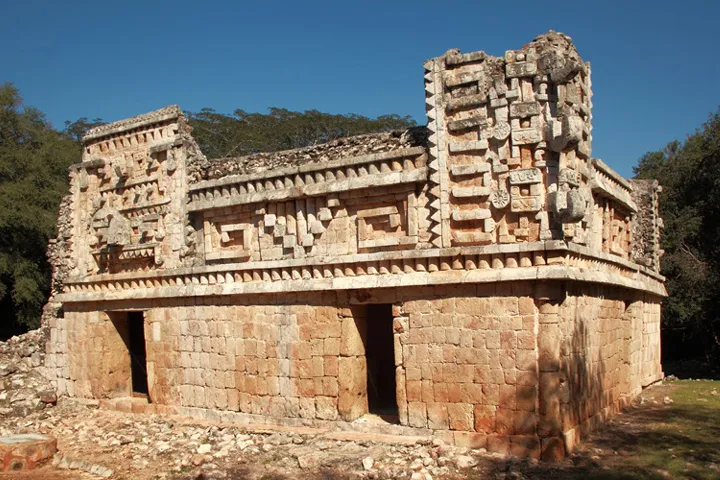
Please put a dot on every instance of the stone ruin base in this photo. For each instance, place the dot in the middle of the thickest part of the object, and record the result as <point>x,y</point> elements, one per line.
<point>522,368</point>
<point>521,446</point>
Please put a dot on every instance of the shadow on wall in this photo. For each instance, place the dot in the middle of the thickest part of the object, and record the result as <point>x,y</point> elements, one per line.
<point>591,359</point>
<point>600,357</point>
<point>650,442</point>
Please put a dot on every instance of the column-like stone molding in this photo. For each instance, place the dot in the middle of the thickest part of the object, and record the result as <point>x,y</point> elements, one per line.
<point>438,177</point>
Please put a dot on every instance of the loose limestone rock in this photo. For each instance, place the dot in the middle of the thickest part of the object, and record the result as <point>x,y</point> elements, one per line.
<point>23,387</point>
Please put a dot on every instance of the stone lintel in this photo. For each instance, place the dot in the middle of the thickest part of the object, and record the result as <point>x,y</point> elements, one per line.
<point>165,145</point>
<point>92,163</point>
<point>613,191</point>
<point>461,58</point>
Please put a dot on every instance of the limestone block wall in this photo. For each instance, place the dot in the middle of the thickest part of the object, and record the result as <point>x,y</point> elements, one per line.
<point>272,360</point>
<point>469,362</point>
<point>525,367</point>
<point>256,357</point>
<point>651,359</point>
<point>593,355</point>
<point>87,355</point>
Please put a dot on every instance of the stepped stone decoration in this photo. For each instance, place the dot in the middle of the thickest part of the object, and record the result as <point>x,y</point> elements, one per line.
<point>517,275</point>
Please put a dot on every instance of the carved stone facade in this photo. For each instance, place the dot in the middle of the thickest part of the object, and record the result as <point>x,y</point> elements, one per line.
<point>520,276</point>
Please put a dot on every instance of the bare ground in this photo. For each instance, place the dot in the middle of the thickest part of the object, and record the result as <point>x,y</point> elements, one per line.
<point>672,432</point>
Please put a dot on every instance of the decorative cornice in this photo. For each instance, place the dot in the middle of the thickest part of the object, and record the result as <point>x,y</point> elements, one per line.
<point>552,260</point>
<point>367,171</point>
<point>157,116</point>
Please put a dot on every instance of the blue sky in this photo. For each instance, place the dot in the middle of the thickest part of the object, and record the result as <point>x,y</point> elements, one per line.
<point>655,65</point>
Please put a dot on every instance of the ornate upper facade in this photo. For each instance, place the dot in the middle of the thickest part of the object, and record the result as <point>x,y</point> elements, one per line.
<point>501,185</point>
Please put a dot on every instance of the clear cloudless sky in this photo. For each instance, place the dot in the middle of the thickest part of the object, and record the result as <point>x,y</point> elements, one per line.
<point>655,64</point>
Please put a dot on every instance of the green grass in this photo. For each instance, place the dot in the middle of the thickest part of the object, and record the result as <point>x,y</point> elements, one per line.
<point>684,439</point>
<point>654,441</point>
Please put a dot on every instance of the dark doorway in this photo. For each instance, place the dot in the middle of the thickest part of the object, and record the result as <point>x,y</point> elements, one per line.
<point>380,356</point>
<point>136,347</point>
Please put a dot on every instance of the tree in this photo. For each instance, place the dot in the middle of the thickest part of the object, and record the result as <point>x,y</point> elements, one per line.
<point>690,206</point>
<point>75,130</point>
<point>34,161</point>
<point>242,133</point>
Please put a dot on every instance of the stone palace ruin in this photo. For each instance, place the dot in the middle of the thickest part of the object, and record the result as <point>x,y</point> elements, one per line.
<point>482,279</point>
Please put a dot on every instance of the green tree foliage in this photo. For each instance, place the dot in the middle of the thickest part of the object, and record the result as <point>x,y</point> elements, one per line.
<point>242,133</point>
<point>34,161</point>
<point>690,206</point>
<point>75,130</point>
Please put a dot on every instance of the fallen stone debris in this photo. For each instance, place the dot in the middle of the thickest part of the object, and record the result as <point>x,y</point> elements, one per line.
<point>23,387</point>
<point>97,443</point>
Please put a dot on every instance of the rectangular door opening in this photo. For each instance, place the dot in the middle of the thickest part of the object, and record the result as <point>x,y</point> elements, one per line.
<point>380,357</point>
<point>136,348</point>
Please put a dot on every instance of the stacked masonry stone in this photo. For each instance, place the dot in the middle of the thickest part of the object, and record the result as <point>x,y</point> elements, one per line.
<point>484,279</point>
<point>646,247</point>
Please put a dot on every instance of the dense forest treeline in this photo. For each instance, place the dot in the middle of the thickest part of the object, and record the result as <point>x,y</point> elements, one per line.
<point>242,133</point>
<point>34,161</point>
<point>689,173</point>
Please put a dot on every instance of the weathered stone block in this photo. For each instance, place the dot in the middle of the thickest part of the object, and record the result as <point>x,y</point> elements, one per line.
<point>470,440</point>
<point>351,342</point>
<point>525,446</point>
<point>25,451</point>
<point>438,417</point>
<point>460,416</point>
<point>326,408</point>
<point>498,444</point>
<point>484,416</point>
<point>552,449</point>
<point>526,397</point>
<point>352,378</point>
<point>524,422</point>
<point>504,421</point>
<point>417,415</point>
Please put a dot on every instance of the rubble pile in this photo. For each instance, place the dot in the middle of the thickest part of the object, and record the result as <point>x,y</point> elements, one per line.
<point>211,169</point>
<point>23,387</point>
<point>111,444</point>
